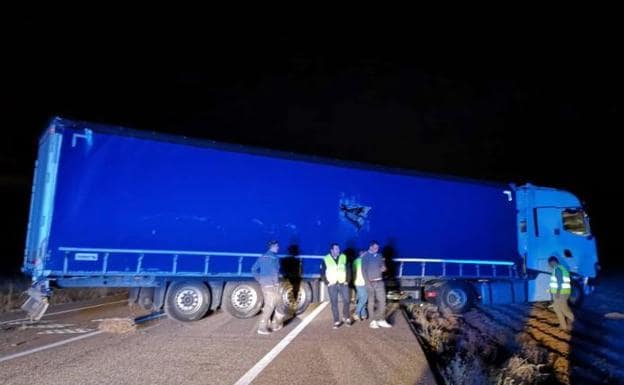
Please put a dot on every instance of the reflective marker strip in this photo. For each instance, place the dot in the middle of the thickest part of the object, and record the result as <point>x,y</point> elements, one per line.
<point>563,285</point>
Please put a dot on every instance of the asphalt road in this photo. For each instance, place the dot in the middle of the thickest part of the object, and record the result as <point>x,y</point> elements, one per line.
<point>68,348</point>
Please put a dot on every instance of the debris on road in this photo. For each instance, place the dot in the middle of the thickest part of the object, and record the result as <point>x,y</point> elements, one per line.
<point>117,325</point>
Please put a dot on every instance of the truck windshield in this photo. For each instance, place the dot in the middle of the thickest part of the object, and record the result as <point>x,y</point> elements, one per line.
<point>575,221</point>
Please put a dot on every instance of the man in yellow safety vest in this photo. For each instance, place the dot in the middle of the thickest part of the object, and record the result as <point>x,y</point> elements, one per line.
<point>560,288</point>
<point>361,312</point>
<point>334,270</point>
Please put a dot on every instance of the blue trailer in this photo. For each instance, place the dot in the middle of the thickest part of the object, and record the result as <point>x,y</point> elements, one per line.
<point>181,222</point>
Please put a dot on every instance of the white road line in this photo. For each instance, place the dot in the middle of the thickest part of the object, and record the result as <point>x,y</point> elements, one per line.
<point>270,356</point>
<point>45,326</point>
<point>66,311</point>
<point>50,346</point>
<point>66,331</point>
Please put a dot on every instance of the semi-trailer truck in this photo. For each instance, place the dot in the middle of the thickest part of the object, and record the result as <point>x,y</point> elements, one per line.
<point>180,222</point>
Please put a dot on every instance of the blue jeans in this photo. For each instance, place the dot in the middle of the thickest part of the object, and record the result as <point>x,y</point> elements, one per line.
<point>362,298</point>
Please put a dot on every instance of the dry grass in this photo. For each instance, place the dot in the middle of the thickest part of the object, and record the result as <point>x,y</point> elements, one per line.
<point>83,294</point>
<point>468,354</point>
<point>478,346</point>
<point>518,370</point>
<point>438,331</point>
<point>464,371</point>
<point>12,294</point>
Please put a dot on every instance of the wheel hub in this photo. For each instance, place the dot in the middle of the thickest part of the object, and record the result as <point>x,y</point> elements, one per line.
<point>188,300</point>
<point>456,298</point>
<point>244,298</point>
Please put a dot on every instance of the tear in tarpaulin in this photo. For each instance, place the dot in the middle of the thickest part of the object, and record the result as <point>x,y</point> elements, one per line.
<point>354,213</point>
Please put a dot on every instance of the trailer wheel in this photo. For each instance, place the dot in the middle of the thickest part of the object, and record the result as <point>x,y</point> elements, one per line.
<point>577,296</point>
<point>289,304</point>
<point>242,299</point>
<point>455,296</point>
<point>187,301</point>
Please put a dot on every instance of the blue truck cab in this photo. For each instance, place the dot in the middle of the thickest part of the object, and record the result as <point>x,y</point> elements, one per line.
<point>181,221</point>
<point>552,222</point>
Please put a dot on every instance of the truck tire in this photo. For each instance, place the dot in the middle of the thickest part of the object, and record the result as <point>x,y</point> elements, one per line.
<point>242,299</point>
<point>187,300</point>
<point>456,297</point>
<point>577,296</point>
<point>288,304</point>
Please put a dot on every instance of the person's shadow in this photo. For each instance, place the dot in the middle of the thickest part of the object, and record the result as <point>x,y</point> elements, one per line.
<point>391,281</point>
<point>351,255</point>
<point>290,267</point>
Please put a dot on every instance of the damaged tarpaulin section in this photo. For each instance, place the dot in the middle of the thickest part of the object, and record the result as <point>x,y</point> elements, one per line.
<point>354,213</point>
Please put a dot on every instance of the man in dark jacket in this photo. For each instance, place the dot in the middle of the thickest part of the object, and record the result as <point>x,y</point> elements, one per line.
<point>266,272</point>
<point>373,266</point>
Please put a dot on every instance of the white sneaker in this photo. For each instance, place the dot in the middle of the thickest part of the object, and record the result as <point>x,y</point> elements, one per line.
<point>384,324</point>
<point>373,325</point>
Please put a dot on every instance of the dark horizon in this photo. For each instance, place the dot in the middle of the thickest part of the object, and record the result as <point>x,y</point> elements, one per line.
<point>548,122</point>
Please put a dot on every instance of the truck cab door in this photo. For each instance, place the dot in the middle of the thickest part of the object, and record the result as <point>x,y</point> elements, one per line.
<point>564,233</point>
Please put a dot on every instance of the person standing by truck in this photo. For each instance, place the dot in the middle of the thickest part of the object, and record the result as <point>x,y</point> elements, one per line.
<point>561,288</point>
<point>266,272</point>
<point>334,270</point>
<point>361,312</point>
<point>373,267</point>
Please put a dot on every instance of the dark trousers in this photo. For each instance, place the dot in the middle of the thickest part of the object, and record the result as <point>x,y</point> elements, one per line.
<point>376,295</point>
<point>334,290</point>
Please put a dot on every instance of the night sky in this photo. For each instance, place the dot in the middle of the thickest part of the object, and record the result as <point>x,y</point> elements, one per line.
<point>546,113</point>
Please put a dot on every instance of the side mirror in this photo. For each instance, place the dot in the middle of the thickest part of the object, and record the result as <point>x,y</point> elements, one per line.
<point>557,231</point>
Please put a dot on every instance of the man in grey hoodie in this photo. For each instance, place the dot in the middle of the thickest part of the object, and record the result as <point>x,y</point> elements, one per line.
<point>266,272</point>
<point>373,266</point>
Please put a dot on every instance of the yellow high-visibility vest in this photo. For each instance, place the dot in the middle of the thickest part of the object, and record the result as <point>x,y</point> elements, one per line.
<point>357,269</point>
<point>336,272</point>
<point>566,285</point>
